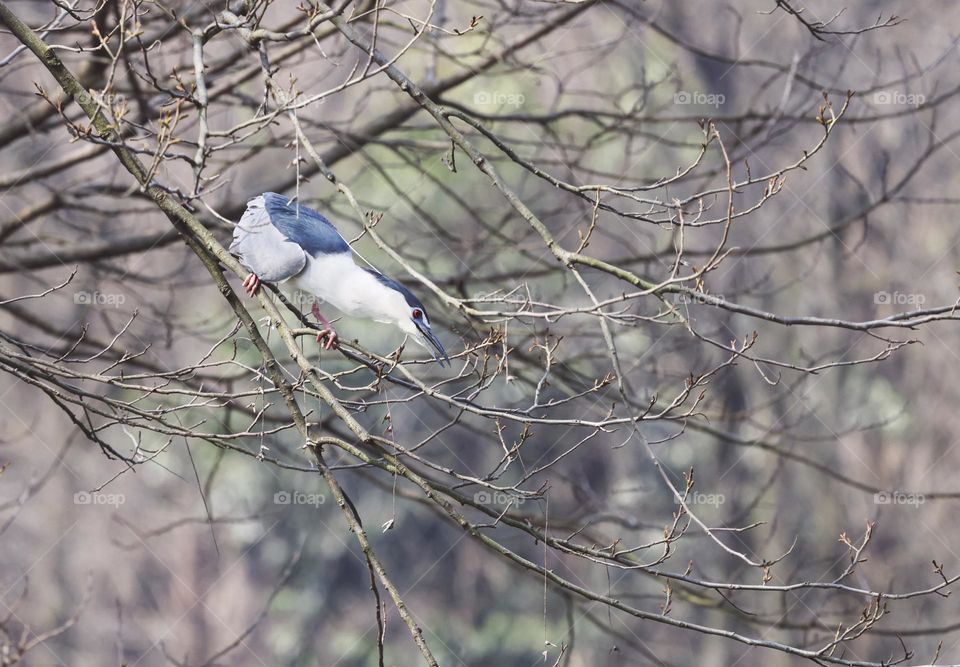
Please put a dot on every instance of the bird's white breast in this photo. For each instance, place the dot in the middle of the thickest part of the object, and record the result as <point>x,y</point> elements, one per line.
<point>338,281</point>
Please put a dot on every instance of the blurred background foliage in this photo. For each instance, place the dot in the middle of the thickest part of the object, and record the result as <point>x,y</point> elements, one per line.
<point>201,550</point>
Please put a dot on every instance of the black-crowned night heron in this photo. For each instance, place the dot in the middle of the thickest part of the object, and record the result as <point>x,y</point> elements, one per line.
<point>279,240</point>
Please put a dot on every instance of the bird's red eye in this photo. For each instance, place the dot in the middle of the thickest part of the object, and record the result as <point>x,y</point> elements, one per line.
<point>417,313</point>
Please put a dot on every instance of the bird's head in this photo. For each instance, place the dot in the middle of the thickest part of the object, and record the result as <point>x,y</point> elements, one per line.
<point>409,315</point>
<point>417,326</point>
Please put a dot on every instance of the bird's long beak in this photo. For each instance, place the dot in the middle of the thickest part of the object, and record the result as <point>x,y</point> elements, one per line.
<point>427,336</point>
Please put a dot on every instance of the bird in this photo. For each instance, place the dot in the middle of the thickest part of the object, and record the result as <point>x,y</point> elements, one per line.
<point>279,240</point>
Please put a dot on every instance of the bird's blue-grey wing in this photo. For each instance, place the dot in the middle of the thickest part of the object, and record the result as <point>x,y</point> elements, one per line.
<point>304,226</point>
<point>263,248</point>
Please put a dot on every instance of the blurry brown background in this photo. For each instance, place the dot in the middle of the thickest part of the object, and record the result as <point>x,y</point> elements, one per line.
<point>206,555</point>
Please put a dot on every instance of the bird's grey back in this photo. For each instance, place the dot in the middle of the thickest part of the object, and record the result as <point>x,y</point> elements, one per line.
<point>304,226</point>
<point>274,237</point>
